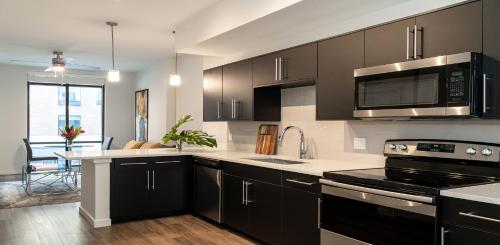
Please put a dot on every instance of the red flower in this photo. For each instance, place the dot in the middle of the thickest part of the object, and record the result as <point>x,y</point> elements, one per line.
<point>82,131</point>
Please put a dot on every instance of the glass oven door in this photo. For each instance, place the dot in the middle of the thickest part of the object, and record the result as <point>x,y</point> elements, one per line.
<point>355,217</point>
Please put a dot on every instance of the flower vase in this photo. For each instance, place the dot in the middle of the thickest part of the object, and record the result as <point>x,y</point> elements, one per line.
<point>178,146</point>
<point>69,145</point>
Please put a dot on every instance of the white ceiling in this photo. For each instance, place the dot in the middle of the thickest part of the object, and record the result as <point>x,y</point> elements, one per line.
<point>31,29</point>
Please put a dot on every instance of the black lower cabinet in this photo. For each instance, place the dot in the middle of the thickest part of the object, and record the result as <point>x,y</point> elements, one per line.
<point>456,235</point>
<point>172,184</point>
<point>149,187</point>
<point>129,187</point>
<point>265,213</point>
<point>300,217</point>
<point>235,213</point>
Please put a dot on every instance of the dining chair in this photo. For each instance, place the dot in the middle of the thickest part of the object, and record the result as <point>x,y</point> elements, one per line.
<point>29,169</point>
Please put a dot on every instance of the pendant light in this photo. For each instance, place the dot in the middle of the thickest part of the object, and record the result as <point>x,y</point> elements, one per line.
<point>113,74</point>
<point>175,79</point>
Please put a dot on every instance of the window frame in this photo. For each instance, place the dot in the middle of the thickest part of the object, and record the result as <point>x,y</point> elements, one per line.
<point>67,105</point>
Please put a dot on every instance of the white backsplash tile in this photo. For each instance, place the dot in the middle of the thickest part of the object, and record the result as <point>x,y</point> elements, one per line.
<point>334,139</point>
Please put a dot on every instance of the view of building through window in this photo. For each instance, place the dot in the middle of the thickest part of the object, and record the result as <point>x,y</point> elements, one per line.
<point>50,109</point>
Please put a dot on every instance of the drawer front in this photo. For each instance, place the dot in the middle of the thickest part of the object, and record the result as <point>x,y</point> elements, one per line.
<point>302,181</point>
<point>456,235</point>
<point>476,215</point>
<point>129,163</point>
<point>252,172</point>
<point>207,162</point>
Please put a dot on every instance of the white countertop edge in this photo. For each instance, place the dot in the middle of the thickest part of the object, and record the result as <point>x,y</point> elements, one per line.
<point>314,167</point>
<point>480,193</point>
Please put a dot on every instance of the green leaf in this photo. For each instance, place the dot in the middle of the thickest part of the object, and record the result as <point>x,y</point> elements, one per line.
<point>192,137</point>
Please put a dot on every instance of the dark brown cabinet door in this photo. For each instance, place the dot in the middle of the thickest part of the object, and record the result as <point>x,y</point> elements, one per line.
<point>265,212</point>
<point>491,54</point>
<point>300,217</point>
<point>170,185</point>
<point>129,188</point>
<point>238,91</point>
<point>450,31</point>
<point>265,70</point>
<point>337,59</point>
<point>212,94</point>
<point>300,63</point>
<point>235,212</point>
<point>389,43</point>
<point>457,235</point>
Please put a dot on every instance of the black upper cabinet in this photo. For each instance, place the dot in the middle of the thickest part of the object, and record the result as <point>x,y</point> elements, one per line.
<point>265,70</point>
<point>300,217</point>
<point>235,211</point>
<point>238,91</point>
<point>491,55</point>
<point>212,94</point>
<point>389,43</point>
<point>265,212</point>
<point>300,64</point>
<point>291,67</point>
<point>450,31</point>
<point>337,59</point>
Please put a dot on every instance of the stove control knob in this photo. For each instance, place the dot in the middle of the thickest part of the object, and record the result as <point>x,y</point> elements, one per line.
<point>470,151</point>
<point>487,152</point>
<point>392,146</point>
<point>403,147</point>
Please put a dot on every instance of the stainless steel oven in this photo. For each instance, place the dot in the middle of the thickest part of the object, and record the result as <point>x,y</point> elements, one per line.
<point>355,215</point>
<point>443,86</point>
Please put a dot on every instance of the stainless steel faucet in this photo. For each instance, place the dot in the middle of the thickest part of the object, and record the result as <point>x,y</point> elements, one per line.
<point>302,148</point>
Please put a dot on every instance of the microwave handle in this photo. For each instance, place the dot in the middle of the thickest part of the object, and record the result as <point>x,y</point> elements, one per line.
<point>485,80</point>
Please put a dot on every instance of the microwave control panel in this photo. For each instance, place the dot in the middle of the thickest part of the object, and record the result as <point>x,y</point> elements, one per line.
<point>456,86</point>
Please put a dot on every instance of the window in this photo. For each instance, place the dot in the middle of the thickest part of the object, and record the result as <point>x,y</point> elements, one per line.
<point>50,109</point>
<point>74,96</point>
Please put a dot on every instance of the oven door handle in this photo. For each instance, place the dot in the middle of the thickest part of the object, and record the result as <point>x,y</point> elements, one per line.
<point>409,197</point>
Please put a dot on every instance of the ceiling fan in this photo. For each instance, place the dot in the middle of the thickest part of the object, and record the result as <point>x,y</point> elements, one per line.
<point>58,63</point>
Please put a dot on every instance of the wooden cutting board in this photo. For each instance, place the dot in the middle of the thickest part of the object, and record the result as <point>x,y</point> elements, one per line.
<point>267,139</point>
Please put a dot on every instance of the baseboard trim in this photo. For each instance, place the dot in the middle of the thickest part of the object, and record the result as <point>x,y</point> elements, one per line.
<point>9,172</point>
<point>96,223</point>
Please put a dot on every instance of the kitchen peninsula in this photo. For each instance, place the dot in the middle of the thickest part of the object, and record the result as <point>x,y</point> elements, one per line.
<point>96,167</point>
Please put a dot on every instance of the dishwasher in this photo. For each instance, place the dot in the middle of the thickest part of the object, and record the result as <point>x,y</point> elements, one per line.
<point>207,189</point>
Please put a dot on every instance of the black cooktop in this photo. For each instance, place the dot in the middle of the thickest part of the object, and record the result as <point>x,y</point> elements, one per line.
<point>406,180</point>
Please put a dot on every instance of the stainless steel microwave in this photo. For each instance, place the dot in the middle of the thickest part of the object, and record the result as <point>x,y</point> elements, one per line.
<point>443,86</point>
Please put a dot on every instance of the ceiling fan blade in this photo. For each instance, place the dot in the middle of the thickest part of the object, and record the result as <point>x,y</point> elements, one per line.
<point>49,68</point>
<point>81,66</point>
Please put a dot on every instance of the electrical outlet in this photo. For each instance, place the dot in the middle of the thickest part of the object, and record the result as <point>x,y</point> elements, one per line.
<point>359,143</point>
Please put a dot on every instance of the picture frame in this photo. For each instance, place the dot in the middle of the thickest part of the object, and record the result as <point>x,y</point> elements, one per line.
<point>141,114</point>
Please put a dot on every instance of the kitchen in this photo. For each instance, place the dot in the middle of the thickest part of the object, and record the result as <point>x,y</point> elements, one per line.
<point>385,133</point>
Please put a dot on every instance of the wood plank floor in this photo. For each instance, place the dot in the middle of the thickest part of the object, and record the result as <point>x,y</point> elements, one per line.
<point>61,224</point>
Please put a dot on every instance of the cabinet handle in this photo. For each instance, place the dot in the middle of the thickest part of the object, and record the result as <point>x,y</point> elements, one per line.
<point>276,68</point>
<point>218,178</point>
<point>443,233</point>
<point>133,163</point>
<point>280,68</point>
<point>218,110</point>
<point>471,215</point>
<point>246,192</point>
<point>147,173</point>
<point>407,42</point>
<point>243,185</point>
<point>415,37</point>
<point>299,182</point>
<point>485,80</point>
<point>319,212</point>
<point>232,109</point>
<point>173,161</point>
<point>153,179</point>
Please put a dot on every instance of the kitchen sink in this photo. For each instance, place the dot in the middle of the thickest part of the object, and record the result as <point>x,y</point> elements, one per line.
<point>274,160</point>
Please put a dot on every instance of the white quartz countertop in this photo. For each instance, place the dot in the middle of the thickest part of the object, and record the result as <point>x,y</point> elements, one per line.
<point>489,193</point>
<point>310,166</point>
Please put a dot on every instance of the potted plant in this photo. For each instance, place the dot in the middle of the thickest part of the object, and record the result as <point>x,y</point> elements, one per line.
<point>69,133</point>
<point>191,137</point>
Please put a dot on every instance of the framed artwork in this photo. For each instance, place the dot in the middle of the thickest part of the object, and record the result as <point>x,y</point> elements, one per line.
<point>141,115</point>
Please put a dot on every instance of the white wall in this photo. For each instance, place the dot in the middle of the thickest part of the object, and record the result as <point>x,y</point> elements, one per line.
<point>13,110</point>
<point>189,96</point>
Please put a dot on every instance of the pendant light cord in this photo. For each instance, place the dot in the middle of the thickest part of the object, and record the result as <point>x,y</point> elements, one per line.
<point>113,47</point>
